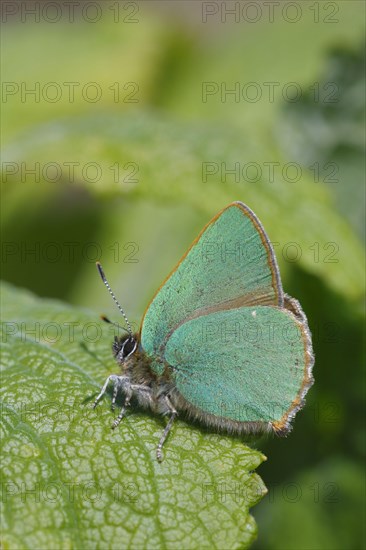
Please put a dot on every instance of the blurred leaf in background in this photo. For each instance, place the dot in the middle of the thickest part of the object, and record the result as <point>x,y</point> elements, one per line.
<point>329,134</point>
<point>176,135</point>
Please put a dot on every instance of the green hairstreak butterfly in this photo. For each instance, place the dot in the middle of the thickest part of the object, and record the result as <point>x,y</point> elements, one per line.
<point>220,342</point>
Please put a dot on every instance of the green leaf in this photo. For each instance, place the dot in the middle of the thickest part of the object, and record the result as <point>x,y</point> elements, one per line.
<point>70,482</point>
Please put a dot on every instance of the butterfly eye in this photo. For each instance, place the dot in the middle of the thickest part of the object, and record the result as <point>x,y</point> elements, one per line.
<point>129,347</point>
<point>126,348</point>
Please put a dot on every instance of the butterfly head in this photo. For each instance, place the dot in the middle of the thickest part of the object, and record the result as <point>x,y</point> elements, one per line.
<point>123,347</point>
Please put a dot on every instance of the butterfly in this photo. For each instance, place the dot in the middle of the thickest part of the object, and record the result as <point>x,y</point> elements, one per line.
<point>220,342</point>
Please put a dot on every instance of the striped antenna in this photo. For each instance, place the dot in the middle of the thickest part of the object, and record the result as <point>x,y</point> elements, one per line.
<point>103,277</point>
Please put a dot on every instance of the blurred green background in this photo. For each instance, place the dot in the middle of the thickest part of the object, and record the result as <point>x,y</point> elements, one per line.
<point>123,151</point>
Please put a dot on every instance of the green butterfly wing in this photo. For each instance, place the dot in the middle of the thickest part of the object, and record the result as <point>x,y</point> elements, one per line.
<point>231,264</point>
<point>247,365</point>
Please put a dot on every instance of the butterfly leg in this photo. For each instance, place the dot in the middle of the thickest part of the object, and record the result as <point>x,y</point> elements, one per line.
<point>143,394</point>
<point>114,396</point>
<point>118,382</point>
<point>173,413</point>
<point>102,391</point>
<point>128,392</point>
